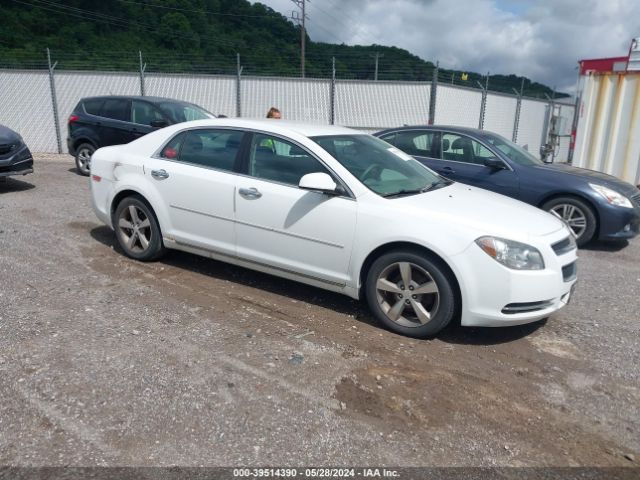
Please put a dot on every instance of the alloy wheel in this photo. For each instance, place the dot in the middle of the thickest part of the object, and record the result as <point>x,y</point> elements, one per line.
<point>135,229</point>
<point>84,159</point>
<point>573,216</point>
<point>407,294</point>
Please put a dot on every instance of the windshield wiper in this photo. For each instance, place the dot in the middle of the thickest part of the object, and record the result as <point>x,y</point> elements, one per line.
<point>431,186</point>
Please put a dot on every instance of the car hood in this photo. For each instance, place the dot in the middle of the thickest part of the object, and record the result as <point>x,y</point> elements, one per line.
<point>592,176</point>
<point>8,136</point>
<point>485,212</point>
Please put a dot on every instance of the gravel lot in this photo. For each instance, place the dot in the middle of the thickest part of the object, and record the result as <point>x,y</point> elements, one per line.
<point>188,361</point>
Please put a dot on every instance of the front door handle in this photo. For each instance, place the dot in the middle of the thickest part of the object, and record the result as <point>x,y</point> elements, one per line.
<point>447,170</point>
<point>249,193</point>
<point>159,174</point>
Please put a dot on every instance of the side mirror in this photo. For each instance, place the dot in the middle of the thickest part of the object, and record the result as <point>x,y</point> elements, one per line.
<point>494,163</point>
<point>159,123</point>
<point>318,182</point>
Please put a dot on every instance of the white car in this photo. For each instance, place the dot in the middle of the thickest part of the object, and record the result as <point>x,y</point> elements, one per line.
<point>341,210</point>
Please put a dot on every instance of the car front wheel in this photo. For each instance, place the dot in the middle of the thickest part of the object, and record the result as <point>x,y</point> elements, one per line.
<point>83,158</point>
<point>578,216</point>
<point>410,293</point>
<point>137,230</point>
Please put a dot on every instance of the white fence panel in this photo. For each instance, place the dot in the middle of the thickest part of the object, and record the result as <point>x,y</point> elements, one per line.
<point>457,106</point>
<point>216,94</point>
<point>377,105</point>
<point>500,113</point>
<point>25,106</point>
<point>304,100</point>
<point>532,122</point>
<point>72,86</point>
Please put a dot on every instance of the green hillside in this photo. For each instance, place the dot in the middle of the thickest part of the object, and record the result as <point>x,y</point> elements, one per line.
<point>200,36</point>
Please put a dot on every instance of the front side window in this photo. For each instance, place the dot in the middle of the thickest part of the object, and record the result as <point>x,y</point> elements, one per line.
<point>515,152</point>
<point>415,142</point>
<point>209,148</point>
<point>144,113</point>
<point>383,168</point>
<point>117,109</point>
<point>460,148</point>
<point>183,112</point>
<point>272,158</point>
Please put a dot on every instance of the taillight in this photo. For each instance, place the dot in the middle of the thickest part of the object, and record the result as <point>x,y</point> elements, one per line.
<point>73,118</point>
<point>96,178</point>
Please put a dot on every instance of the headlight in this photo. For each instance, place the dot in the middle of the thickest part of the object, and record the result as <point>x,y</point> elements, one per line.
<point>511,254</point>
<point>611,196</point>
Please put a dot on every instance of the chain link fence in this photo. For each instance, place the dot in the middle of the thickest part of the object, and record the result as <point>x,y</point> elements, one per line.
<point>34,101</point>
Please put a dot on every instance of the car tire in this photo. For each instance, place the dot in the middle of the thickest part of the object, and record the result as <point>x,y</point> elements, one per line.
<point>578,216</point>
<point>83,158</point>
<point>137,229</point>
<point>422,308</point>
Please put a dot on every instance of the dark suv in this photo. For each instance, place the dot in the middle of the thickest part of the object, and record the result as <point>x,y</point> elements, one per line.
<point>113,120</point>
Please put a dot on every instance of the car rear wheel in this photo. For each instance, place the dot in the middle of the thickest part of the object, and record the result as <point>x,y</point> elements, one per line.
<point>83,158</point>
<point>578,216</point>
<point>137,230</point>
<point>410,293</point>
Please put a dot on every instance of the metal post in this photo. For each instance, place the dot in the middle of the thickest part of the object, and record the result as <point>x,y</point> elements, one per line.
<point>332,93</point>
<point>238,90</point>
<point>574,120</point>
<point>54,100</point>
<point>516,120</point>
<point>143,67</point>
<point>483,102</point>
<point>376,56</point>
<point>432,98</point>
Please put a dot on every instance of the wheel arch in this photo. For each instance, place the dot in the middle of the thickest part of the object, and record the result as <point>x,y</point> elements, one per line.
<point>414,247</point>
<point>84,139</point>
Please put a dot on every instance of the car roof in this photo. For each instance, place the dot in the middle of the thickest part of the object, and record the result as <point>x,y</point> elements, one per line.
<point>450,128</point>
<point>137,97</point>
<point>283,127</point>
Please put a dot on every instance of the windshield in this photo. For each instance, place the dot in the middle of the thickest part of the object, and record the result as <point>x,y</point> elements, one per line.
<point>515,152</point>
<point>183,112</point>
<point>380,166</point>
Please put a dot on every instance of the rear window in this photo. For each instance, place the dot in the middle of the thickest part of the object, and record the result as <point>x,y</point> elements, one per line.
<point>116,109</point>
<point>93,106</point>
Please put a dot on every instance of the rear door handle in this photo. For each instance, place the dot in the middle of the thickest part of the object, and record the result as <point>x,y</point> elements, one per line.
<point>249,193</point>
<point>159,174</point>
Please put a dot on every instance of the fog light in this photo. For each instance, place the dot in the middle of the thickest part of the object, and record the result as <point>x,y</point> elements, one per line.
<point>627,227</point>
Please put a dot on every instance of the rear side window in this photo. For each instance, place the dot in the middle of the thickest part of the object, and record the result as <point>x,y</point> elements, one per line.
<point>117,109</point>
<point>93,106</point>
<point>172,149</point>
<point>211,148</point>
<point>418,143</point>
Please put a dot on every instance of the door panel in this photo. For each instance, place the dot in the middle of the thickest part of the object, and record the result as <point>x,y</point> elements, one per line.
<point>296,230</point>
<point>463,161</point>
<point>288,228</point>
<point>199,202</point>
<point>196,180</point>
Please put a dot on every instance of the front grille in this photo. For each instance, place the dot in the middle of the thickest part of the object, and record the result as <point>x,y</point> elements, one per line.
<point>564,246</point>
<point>569,272</point>
<point>526,307</point>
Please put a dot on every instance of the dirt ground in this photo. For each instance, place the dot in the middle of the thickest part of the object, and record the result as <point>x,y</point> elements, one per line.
<point>188,361</point>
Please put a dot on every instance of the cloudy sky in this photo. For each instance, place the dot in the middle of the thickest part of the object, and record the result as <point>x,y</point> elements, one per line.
<point>541,39</point>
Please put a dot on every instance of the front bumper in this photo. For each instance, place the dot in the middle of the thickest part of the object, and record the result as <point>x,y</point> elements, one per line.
<point>496,296</point>
<point>617,223</point>
<point>19,162</point>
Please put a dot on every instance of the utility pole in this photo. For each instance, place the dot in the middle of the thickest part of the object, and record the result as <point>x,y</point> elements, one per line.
<point>376,56</point>
<point>303,31</point>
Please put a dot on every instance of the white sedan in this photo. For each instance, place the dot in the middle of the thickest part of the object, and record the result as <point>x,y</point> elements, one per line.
<point>341,210</point>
